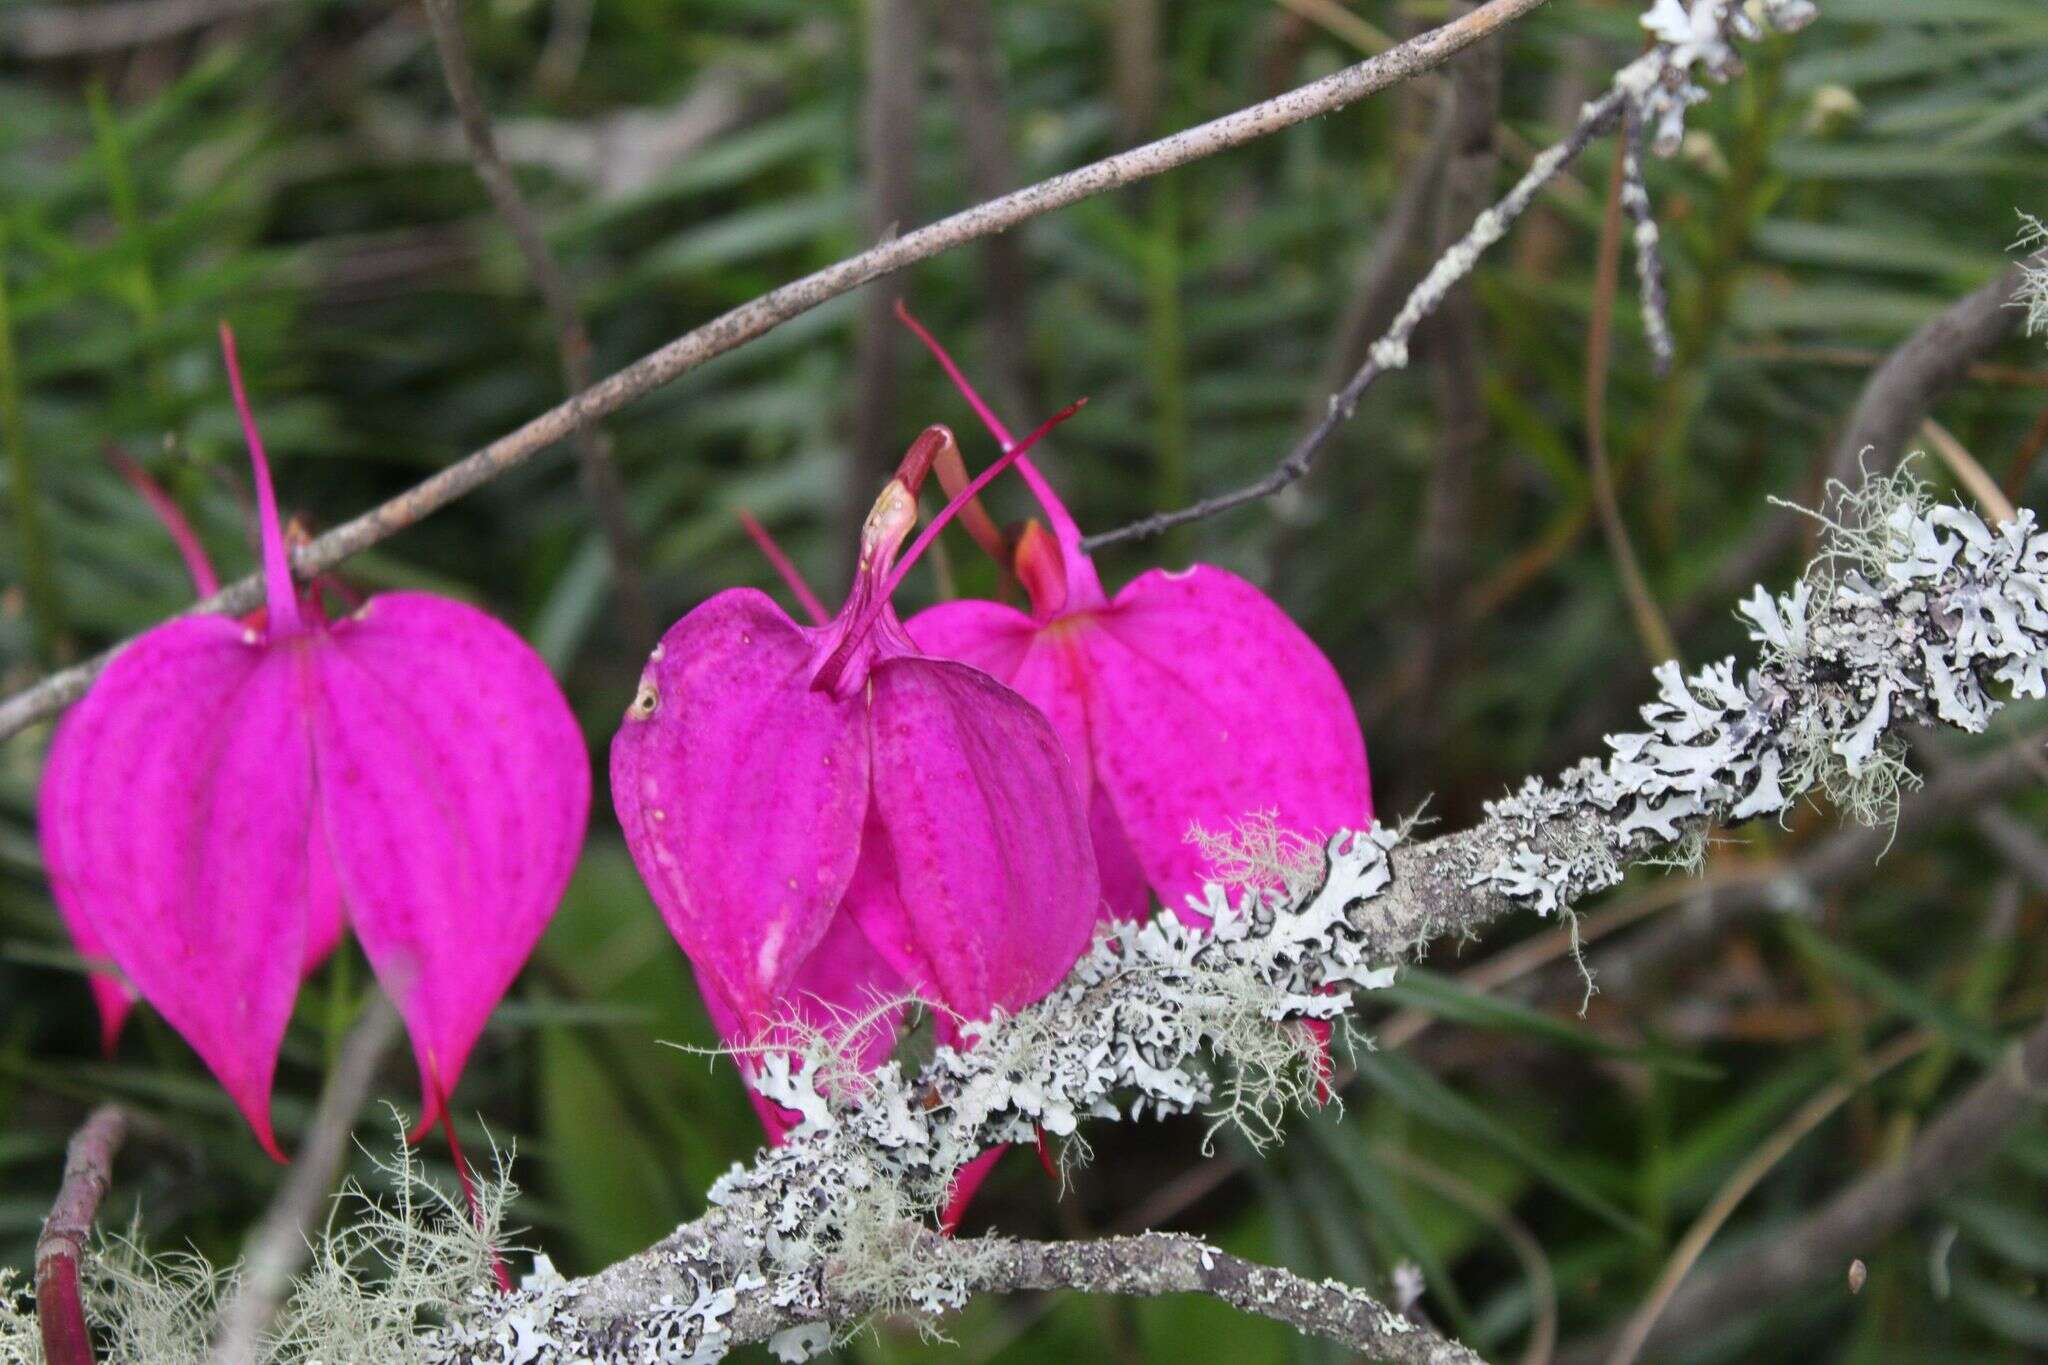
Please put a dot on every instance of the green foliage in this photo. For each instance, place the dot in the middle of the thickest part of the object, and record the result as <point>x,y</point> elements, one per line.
<point>290,171</point>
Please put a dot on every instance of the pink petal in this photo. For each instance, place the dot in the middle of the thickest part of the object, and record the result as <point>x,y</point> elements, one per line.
<point>841,982</point>
<point>111,995</point>
<point>454,789</point>
<point>994,884</point>
<point>1048,667</point>
<point>181,790</point>
<point>741,791</point>
<point>1208,705</point>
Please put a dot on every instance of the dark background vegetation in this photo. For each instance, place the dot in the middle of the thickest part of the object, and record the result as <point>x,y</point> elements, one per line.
<point>297,171</point>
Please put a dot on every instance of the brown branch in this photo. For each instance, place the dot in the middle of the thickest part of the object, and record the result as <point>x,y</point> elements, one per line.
<point>600,476</point>
<point>88,1171</point>
<point>1820,1247</point>
<point>278,1247</point>
<point>1899,395</point>
<point>753,319</point>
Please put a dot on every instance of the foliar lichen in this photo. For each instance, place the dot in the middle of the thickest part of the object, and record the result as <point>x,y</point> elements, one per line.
<point>2033,290</point>
<point>20,1343</point>
<point>385,1271</point>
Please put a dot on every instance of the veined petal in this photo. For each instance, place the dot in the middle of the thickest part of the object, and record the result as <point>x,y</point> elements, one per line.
<point>1209,705</point>
<point>996,892</point>
<point>741,791</point>
<point>111,995</point>
<point>454,789</point>
<point>182,792</point>
<point>1048,666</point>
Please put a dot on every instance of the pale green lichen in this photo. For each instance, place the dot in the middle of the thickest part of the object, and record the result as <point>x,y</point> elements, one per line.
<point>384,1271</point>
<point>2033,290</point>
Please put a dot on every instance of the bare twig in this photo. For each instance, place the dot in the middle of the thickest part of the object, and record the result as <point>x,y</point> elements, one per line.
<point>1391,351</point>
<point>1651,629</point>
<point>88,1171</point>
<point>750,320</point>
<point>1655,88</point>
<point>599,474</point>
<point>1747,1177</point>
<point>278,1247</point>
<point>1851,1224</point>
<point>1963,465</point>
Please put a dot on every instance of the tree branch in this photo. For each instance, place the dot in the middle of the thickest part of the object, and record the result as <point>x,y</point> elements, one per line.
<point>751,320</point>
<point>600,476</point>
<point>88,1171</point>
<point>1655,90</point>
<point>278,1247</point>
<point>1911,613</point>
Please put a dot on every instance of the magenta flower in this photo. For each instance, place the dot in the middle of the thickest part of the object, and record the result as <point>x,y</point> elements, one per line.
<point>1187,699</point>
<point>826,816</point>
<point>229,793</point>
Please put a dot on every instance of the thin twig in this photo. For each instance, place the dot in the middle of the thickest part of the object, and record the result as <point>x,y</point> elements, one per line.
<point>1536,1267</point>
<point>1444,544</point>
<point>1651,629</point>
<point>1850,1225</point>
<point>278,1247</point>
<point>1747,1177</point>
<point>1391,351</point>
<point>600,475</point>
<point>88,1171</point>
<point>753,319</point>
<point>1963,465</point>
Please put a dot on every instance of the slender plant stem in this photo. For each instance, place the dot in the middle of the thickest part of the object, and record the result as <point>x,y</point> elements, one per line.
<point>88,1171</point>
<point>45,604</point>
<point>278,1247</point>
<point>743,324</point>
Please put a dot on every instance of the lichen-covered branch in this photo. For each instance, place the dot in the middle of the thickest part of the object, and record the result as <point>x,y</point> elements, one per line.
<point>1914,614</point>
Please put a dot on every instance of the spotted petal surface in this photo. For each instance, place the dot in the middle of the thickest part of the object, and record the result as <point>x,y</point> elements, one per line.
<point>742,792</point>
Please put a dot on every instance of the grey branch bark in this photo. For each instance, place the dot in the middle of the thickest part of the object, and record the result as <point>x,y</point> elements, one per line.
<point>599,474</point>
<point>1913,612</point>
<point>278,1248</point>
<point>743,324</point>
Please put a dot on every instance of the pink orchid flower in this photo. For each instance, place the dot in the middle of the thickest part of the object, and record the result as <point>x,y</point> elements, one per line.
<point>1189,699</point>
<point>826,816</point>
<point>231,791</point>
